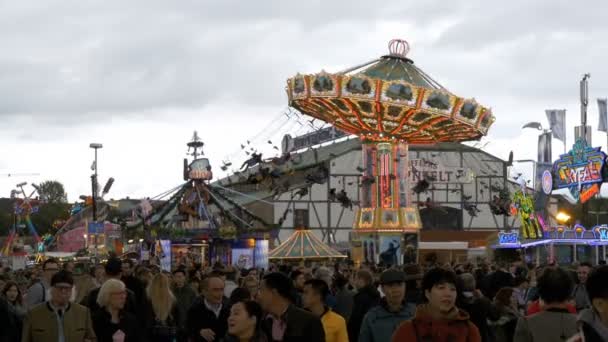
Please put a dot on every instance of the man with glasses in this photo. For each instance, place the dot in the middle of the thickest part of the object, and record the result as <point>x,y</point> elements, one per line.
<point>39,292</point>
<point>58,319</point>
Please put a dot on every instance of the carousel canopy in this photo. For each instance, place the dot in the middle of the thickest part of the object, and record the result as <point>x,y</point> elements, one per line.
<point>387,99</point>
<point>303,244</point>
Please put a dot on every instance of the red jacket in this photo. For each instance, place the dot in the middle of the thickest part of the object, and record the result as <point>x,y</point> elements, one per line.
<point>456,327</point>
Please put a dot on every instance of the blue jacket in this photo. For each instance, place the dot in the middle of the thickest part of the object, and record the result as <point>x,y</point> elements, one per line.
<point>379,323</point>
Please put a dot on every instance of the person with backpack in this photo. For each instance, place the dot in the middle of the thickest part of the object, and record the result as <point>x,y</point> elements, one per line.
<point>438,320</point>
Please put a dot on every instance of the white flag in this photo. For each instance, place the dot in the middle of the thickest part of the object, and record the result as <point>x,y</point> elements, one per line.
<point>557,123</point>
<point>602,126</point>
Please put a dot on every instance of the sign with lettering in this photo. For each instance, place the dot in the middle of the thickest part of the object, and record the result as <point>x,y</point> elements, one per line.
<point>431,171</point>
<point>579,170</point>
<point>603,232</point>
<point>508,237</point>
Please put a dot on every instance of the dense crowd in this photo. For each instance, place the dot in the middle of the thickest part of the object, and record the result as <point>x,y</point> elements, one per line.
<point>124,301</point>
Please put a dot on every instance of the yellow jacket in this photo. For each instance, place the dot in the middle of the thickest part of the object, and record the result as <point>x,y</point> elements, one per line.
<point>334,326</point>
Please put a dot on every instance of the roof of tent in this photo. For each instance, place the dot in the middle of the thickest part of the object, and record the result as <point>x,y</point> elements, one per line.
<point>303,244</point>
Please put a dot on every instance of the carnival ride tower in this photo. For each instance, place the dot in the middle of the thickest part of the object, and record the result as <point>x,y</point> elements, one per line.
<point>389,103</point>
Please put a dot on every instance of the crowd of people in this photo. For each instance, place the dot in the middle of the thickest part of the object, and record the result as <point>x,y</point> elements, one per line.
<point>124,301</point>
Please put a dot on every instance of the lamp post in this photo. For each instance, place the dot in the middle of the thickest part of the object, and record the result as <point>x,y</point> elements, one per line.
<point>95,146</point>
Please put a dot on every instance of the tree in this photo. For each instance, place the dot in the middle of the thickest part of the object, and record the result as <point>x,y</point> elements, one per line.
<point>52,192</point>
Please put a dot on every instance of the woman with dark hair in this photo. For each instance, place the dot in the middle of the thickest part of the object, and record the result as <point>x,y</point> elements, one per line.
<point>13,295</point>
<point>505,303</point>
<point>245,323</point>
<point>438,319</point>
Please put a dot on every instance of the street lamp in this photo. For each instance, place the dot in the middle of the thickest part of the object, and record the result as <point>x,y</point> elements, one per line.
<point>95,146</point>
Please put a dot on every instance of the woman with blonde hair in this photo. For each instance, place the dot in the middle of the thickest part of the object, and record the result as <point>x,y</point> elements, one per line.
<point>164,315</point>
<point>112,322</point>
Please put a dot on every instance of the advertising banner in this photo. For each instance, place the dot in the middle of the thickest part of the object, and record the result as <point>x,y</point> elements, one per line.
<point>242,258</point>
<point>165,256</point>
<point>261,254</point>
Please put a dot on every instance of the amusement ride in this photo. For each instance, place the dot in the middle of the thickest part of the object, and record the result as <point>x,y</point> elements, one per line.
<point>389,103</point>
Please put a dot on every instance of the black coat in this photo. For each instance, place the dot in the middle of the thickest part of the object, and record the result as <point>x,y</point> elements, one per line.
<point>302,326</point>
<point>10,323</point>
<point>199,317</point>
<point>480,310</point>
<point>157,331</point>
<point>104,328</point>
<point>365,299</point>
<point>136,286</point>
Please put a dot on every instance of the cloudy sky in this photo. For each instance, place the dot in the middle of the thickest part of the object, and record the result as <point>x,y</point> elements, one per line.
<point>140,76</point>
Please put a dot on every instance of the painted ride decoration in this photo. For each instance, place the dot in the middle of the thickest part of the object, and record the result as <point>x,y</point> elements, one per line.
<point>523,205</point>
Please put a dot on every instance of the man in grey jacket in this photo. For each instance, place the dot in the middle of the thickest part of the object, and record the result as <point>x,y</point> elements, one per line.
<point>40,291</point>
<point>554,323</point>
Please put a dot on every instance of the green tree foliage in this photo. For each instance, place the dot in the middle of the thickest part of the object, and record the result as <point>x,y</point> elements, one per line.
<point>52,192</point>
<point>47,214</point>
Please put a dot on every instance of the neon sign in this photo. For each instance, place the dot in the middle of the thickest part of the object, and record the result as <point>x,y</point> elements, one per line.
<point>580,170</point>
<point>508,238</point>
<point>603,232</point>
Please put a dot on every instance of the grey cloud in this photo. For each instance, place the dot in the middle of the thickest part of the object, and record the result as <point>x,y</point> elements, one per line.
<point>74,61</point>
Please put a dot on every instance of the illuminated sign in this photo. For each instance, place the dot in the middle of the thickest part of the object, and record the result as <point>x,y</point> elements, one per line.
<point>508,238</point>
<point>580,170</point>
<point>603,232</point>
<point>426,169</point>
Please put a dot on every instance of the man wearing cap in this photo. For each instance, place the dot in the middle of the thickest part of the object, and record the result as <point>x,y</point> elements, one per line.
<point>58,319</point>
<point>381,321</point>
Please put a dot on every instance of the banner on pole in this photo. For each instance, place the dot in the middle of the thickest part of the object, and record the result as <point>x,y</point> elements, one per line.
<point>557,123</point>
<point>602,105</point>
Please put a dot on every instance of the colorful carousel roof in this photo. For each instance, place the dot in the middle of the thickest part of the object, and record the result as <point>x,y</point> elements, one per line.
<point>389,99</point>
<point>303,244</point>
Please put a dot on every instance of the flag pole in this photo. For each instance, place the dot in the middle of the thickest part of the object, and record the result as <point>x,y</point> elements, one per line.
<point>565,133</point>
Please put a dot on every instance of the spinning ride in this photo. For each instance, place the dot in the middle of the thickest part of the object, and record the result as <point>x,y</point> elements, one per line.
<point>389,103</point>
<point>22,210</point>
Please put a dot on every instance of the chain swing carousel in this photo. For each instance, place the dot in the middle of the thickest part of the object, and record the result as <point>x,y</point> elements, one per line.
<point>389,103</point>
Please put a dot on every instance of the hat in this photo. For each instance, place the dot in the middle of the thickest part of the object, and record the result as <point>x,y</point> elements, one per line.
<point>392,276</point>
<point>62,277</point>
